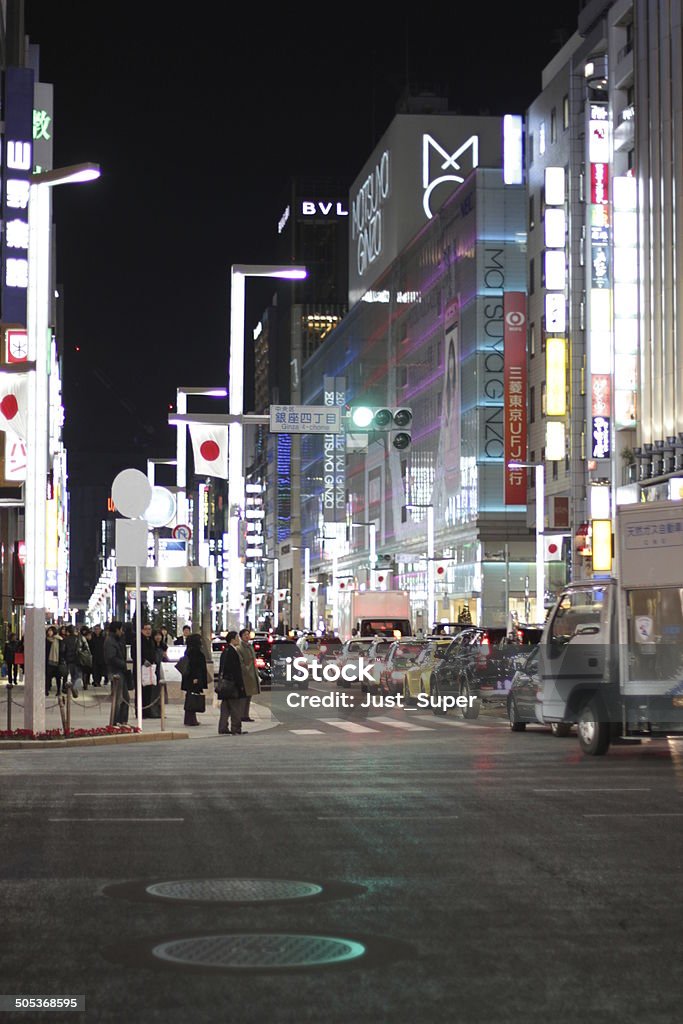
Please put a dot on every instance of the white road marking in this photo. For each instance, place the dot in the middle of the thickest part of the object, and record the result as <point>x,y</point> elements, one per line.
<point>395,724</point>
<point>636,814</point>
<point>116,819</point>
<point>602,789</point>
<point>384,817</point>
<point>126,794</point>
<point>307,732</point>
<point>347,726</point>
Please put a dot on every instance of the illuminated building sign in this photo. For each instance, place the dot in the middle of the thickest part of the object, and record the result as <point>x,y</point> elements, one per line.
<point>515,412</point>
<point>419,162</point>
<point>599,184</point>
<point>556,376</point>
<point>601,446</point>
<point>17,167</point>
<point>334,457</point>
<point>601,394</point>
<point>323,208</point>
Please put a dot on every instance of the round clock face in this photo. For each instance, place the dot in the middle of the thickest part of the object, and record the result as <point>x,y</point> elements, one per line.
<point>18,345</point>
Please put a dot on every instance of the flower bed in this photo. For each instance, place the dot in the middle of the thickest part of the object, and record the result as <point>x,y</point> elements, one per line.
<point>58,734</point>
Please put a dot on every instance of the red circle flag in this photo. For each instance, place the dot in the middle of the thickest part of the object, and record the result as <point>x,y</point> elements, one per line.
<point>552,548</point>
<point>209,451</point>
<point>9,407</point>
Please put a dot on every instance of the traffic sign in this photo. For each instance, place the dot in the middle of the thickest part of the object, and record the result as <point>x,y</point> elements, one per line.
<point>182,532</point>
<point>305,419</point>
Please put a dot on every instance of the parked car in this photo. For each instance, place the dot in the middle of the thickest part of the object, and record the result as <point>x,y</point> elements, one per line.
<point>377,654</point>
<point>402,655</point>
<point>280,650</point>
<point>330,647</point>
<point>480,663</point>
<point>524,707</point>
<point>417,677</point>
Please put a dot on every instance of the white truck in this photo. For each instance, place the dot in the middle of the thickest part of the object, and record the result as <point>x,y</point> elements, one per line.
<point>374,613</point>
<point>611,654</point>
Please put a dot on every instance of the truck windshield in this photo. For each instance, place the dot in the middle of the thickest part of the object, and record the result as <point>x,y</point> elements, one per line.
<point>385,627</point>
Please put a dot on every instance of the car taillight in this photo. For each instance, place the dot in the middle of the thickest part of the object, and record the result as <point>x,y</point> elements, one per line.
<point>260,663</point>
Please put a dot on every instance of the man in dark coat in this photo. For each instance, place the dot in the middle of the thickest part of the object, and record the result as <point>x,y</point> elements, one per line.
<point>96,642</point>
<point>230,670</point>
<point>117,672</point>
<point>148,659</point>
<point>10,650</point>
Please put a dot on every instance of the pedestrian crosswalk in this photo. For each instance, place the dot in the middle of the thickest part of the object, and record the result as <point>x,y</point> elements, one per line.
<point>376,724</point>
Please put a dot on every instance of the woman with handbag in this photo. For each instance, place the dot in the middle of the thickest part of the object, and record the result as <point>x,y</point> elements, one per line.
<point>195,678</point>
<point>230,688</point>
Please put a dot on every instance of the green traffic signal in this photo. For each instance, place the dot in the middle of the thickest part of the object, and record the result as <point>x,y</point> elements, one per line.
<point>383,418</point>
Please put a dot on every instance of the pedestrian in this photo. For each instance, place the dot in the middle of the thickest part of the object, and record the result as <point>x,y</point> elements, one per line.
<point>166,637</point>
<point>231,683</point>
<point>195,676</point>
<point>63,667</point>
<point>52,658</point>
<point>85,656</point>
<point>9,652</point>
<point>117,672</point>
<point>72,652</point>
<point>96,642</point>
<point>148,664</point>
<point>181,640</point>
<point>250,673</point>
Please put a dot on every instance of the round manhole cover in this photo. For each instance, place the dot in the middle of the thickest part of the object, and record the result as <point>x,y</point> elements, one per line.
<point>233,890</point>
<point>250,951</point>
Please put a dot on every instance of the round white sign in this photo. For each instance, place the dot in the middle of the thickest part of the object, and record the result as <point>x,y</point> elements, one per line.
<point>161,509</point>
<point>131,493</point>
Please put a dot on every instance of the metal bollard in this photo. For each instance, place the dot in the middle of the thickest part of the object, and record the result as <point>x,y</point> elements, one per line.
<point>9,708</point>
<point>162,704</point>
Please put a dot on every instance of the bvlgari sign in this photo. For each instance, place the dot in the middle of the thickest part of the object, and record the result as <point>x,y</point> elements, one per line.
<point>417,165</point>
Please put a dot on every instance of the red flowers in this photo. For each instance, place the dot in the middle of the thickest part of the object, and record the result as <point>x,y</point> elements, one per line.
<point>57,734</point>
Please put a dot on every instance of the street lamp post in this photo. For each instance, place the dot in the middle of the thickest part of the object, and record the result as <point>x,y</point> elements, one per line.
<point>303,604</point>
<point>238,274</point>
<point>539,468</point>
<point>37,444</point>
<point>431,579</point>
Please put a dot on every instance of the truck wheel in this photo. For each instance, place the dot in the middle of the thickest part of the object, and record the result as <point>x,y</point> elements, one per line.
<point>469,712</point>
<point>594,735</point>
<point>515,724</point>
<point>434,695</point>
<point>560,728</point>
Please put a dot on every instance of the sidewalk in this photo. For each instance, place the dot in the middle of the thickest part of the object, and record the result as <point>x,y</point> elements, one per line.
<point>91,710</point>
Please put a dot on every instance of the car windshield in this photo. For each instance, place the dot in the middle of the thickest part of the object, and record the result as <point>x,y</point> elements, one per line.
<point>285,649</point>
<point>405,654</point>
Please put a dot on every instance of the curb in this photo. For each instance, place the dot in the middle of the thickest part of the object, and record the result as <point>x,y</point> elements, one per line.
<point>92,741</point>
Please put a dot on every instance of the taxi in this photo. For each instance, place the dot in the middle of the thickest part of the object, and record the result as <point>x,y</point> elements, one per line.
<point>416,678</point>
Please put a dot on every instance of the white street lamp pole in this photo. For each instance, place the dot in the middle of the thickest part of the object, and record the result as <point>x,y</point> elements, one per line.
<point>238,273</point>
<point>539,468</point>
<point>431,582</point>
<point>37,444</point>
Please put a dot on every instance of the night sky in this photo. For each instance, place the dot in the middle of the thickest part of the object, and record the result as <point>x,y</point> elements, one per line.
<point>198,128</point>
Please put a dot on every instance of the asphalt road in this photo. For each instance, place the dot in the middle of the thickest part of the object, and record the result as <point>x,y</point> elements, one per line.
<point>472,875</point>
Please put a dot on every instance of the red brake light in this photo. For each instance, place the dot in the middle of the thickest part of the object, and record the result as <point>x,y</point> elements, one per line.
<point>260,663</point>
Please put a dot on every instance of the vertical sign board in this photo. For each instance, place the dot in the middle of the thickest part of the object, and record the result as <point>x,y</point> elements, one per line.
<point>334,457</point>
<point>515,413</point>
<point>17,165</point>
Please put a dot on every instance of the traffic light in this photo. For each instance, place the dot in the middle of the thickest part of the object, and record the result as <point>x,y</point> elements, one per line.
<point>383,419</point>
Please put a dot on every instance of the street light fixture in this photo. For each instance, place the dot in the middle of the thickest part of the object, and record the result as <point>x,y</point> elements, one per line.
<point>37,443</point>
<point>238,274</point>
<point>539,467</point>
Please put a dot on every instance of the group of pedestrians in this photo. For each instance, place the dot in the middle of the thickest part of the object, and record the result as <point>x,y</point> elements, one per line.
<point>238,681</point>
<point>74,658</point>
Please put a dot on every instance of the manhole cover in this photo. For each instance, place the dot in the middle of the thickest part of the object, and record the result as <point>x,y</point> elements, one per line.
<point>233,890</point>
<point>245,951</point>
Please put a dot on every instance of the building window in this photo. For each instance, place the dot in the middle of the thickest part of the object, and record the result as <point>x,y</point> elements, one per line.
<point>553,125</point>
<point>541,138</point>
<point>532,219</point>
<point>530,148</point>
<point>532,340</point>
<point>532,476</point>
<point>565,112</point>
<point>543,398</point>
<point>532,275</point>
<point>532,405</point>
<point>555,465</point>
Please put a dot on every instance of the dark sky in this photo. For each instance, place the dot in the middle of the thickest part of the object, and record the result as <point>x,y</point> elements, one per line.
<point>198,127</point>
